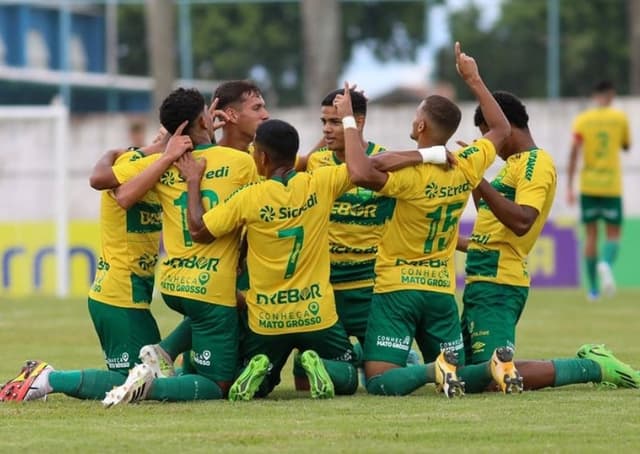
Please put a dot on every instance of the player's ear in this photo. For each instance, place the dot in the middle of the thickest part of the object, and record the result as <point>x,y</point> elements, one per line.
<point>360,121</point>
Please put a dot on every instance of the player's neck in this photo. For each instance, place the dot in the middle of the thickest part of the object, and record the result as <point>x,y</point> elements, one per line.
<point>282,171</point>
<point>200,138</point>
<point>234,139</point>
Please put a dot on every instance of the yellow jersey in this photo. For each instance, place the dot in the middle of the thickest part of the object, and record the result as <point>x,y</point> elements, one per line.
<point>202,272</point>
<point>417,248</point>
<point>603,132</point>
<point>129,244</point>
<point>495,253</point>
<point>356,224</point>
<point>287,222</point>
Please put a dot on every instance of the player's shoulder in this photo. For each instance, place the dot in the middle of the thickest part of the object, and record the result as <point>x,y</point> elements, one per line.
<point>320,158</point>
<point>226,155</point>
<point>132,155</point>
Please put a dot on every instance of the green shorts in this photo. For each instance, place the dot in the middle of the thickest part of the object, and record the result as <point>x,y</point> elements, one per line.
<point>608,209</point>
<point>353,310</point>
<point>329,343</point>
<point>122,333</point>
<point>396,317</point>
<point>214,336</point>
<point>489,317</point>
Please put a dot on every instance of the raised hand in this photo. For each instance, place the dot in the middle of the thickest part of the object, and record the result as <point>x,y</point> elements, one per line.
<point>178,143</point>
<point>219,116</point>
<point>342,102</point>
<point>466,65</point>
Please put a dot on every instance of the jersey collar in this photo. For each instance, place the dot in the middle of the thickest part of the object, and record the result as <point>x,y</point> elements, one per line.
<point>285,178</point>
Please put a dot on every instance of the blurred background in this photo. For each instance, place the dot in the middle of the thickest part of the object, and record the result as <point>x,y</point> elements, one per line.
<point>79,77</point>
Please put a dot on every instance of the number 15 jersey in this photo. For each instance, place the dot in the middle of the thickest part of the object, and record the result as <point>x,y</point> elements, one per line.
<point>417,249</point>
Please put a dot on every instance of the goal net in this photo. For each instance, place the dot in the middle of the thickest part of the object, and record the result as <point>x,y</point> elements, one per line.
<point>34,252</point>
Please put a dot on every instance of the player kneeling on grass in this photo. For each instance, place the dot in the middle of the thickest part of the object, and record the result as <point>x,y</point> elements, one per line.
<point>290,301</point>
<point>414,288</point>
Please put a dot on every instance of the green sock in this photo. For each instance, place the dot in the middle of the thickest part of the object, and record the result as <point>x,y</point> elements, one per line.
<point>610,251</point>
<point>178,340</point>
<point>576,370</point>
<point>184,388</point>
<point>399,381</point>
<point>476,377</point>
<point>85,384</point>
<point>592,276</point>
<point>344,376</point>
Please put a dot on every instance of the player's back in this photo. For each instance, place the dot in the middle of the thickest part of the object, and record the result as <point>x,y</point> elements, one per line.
<point>603,132</point>
<point>226,171</point>
<point>129,243</point>
<point>418,246</point>
<point>287,223</point>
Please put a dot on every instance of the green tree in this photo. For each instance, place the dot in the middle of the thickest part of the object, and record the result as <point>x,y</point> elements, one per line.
<point>512,52</point>
<point>264,40</point>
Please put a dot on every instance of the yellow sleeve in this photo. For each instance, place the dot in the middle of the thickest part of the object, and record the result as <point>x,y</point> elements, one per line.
<point>126,170</point>
<point>536,178</point>
<point>577,127</point>
<point>475,159</point>
<point>229,215</point>
<point>335,179</point>
<point>403,184</point>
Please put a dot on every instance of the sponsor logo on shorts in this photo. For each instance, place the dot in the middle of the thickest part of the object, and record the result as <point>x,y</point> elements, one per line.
<point>397,343</point>
<point>120,362</point>
<point>204,358</point>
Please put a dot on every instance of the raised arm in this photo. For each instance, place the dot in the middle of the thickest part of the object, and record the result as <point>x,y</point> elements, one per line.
<point>133,190</point>
<point>362,170</point>
<point>499,128</point>
<point>192,171</point>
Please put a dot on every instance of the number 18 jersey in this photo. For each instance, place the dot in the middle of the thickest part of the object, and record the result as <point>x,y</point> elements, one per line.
<point>417,249</point>
<point>201,272</point>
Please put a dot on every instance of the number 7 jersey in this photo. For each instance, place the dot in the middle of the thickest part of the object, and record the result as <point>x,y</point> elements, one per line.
<point>202,272</point>
<point>417,249</point>
<point>287,222</point>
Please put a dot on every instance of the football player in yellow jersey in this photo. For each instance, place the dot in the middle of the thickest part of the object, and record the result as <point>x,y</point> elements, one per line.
<point>356,222</point>
<point>415,281</point>
<point>196,280</point>
<point>119,298</point>
<point>290,300</point>
<point>599,134</point>
<point>512,210</point>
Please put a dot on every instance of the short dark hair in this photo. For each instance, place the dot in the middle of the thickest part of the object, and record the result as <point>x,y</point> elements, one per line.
<point>443,113</point>
<point>603,86</point>
<point>181,104</point>
<point>280,139</point>
<point>358,101</point>
<point>511,106</point>
<point>234,91</point>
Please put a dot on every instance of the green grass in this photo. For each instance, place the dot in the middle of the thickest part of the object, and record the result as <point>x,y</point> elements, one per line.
<point>555,323</point>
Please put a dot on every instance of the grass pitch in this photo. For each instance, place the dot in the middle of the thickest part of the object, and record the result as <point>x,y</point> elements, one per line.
<point>555,323</point>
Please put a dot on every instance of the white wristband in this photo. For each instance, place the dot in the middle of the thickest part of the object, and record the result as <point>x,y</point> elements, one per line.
<point>349,122</point>
<point>435,155</point>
